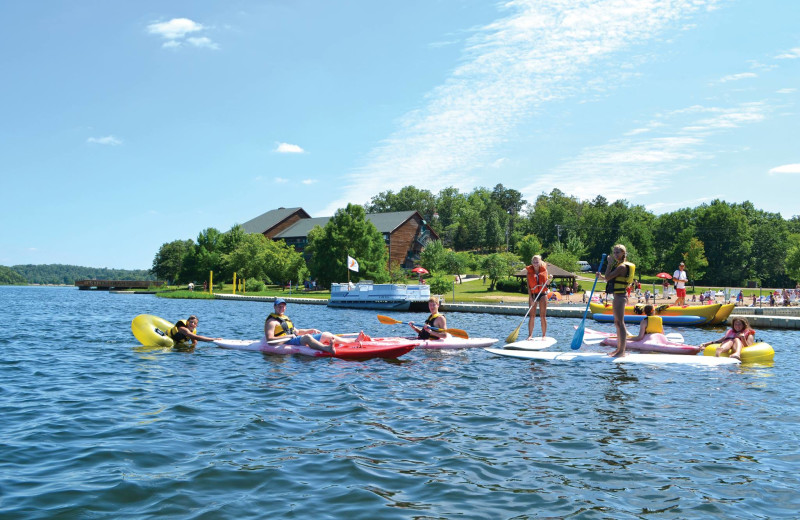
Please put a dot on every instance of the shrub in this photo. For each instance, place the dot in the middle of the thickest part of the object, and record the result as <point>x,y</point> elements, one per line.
<point>255,286</point>
<point>511,285</point>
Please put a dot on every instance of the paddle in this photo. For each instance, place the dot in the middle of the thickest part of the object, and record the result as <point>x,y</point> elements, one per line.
<point>386,320</point>
<point>514,335</point>
<point>577,339</point>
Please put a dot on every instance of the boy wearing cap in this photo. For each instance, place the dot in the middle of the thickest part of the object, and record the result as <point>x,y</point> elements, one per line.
<point>680,278</point>
<point>278,326</point>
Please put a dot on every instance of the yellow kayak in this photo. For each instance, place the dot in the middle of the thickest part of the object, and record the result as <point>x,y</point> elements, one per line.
<point>709,312</point>
<point>722,314</point>
<point>759,352</point>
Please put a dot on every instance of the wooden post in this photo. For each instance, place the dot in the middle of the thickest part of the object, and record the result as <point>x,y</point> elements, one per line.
<point>211,282</point>
<point>234,282</point>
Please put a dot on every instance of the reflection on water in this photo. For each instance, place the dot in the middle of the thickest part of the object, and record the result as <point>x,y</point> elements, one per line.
<point>96,425</point>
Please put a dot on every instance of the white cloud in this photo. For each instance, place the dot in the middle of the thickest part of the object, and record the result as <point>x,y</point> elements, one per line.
<point>541,52</point>
<point>288,148</point>
<point>786,168</point>
<point>790,55</point>
<point>786,91</point>
<point>109,140</point>
<point>737,77</point>
<point>281,180</point>
<point>176,32</point>
<point>309,182</point>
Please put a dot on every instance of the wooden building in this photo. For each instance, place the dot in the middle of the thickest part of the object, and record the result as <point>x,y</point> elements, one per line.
<point>405,233</point>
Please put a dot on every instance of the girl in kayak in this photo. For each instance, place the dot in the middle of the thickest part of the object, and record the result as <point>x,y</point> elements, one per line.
<point>435,320</point>
<point>739,336</point>
<point>650,324</point>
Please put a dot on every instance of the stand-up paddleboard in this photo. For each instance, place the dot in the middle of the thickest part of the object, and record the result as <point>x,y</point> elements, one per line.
<point>359,351</point>
<point>646,359</point>
<point>539,343</point>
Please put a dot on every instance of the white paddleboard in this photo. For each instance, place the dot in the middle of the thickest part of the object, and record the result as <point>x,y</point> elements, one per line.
<point>647,359</point>
<point>532,344</point>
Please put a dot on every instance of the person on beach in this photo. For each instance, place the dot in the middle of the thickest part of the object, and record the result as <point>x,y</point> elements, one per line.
<point>619,274</point>
<point>278,326</point>
<point>739,336</point>
<point>435,320</point>
<point>680,278</point>
<point>186,331</point>
<point>538,279</point>
<point>651,324</point>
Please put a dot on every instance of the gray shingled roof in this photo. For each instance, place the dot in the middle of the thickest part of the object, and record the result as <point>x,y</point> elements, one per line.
<point>269,219</point>
<point>385,222</point>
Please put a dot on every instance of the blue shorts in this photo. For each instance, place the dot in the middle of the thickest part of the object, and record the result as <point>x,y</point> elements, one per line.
<point>296,340</point>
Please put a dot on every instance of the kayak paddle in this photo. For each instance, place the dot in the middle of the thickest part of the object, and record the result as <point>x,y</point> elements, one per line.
<point>386,320</point>
<point>514,335</point>
<point>577,339</point>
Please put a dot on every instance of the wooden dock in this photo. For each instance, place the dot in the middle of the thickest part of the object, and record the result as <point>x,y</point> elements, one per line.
<point>106,285</point>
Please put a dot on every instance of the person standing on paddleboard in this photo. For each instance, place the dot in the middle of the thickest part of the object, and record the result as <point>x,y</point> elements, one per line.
<point>538,280</point>
<point>619,274</point>
<point>434,320</point>
<point>278,326</point>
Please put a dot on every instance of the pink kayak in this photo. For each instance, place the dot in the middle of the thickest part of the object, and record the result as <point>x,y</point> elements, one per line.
<point>359,351</point>
<point>654,343</point>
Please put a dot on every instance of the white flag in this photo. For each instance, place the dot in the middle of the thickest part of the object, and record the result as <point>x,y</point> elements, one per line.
<point>352,264</point>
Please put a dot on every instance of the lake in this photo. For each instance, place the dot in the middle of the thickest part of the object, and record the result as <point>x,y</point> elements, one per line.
<point>96,426</point>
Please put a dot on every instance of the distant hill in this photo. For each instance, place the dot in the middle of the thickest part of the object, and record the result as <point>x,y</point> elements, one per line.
<point>67,274</point>
<point>9,276</point>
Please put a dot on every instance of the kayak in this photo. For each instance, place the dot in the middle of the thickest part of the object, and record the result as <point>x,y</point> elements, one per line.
<point>448,343</point>
<point>668,320</point>
<point>654,343</point>
<point>706,312</point>
<point>758,352</point>
<point>722,314</point>
<point>602,357</point>
<point>532,344</point>
<point>359,351</point>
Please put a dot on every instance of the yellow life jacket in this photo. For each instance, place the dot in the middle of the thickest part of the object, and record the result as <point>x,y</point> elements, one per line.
<point>654,324</point>
<point>619,284</point>
<point>286,325</point>
<point>175,333</point>
<point>424,334</point>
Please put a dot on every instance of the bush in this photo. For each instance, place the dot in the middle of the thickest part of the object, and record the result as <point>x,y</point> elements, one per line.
<point>511,285</point>
<point>440,283</point>
<point>255,286</point>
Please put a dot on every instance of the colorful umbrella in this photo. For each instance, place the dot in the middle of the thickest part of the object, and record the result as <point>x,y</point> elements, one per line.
<point>420,270</point>
<point>665,276</point>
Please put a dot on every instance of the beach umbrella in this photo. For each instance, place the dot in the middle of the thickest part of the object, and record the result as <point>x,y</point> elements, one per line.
<point>665,276</point>
<point>419,270</point>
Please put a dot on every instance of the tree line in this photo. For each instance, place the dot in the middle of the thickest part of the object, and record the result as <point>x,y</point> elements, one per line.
<point>495,232</point>
<point>56,274</point>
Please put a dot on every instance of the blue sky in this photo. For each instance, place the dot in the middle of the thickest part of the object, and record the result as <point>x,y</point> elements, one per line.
<point>125,125</point>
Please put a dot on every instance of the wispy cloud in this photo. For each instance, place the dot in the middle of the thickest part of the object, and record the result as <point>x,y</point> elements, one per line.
<point>786,91</point>
<point>176,32</point>
<point>737,77</point>
<point>791,54</point>
<point>108,140</point>
<point>281,180</point>
<point>309,182</point>
<point>639,165</point>
<point>541,52</point>
<point>786,168</point>
<point>288,148</point>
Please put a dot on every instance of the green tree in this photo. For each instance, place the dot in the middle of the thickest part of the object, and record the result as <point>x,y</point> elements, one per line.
<point>527,247</point>
<point>695,259</point>
<point>564,258</point>
<point>724,231</point>
<point>347,233</point>
<point>499,265</point>
<point>9,276</point>
<point>434,256</point>
<point>168,262</point>
<point>408,198</point>
<point>793,263</point>
<point>440,284</point>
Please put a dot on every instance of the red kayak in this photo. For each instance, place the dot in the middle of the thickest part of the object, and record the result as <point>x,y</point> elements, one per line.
<point>359,351</point>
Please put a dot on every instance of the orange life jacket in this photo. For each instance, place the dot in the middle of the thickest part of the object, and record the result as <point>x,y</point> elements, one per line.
<point>537,282</point>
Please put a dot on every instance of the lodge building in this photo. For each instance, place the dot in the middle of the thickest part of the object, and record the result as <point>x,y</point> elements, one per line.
<point>405,233</point>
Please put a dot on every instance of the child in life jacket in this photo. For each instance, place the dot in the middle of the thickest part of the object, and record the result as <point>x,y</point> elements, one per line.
<point>739,336</point>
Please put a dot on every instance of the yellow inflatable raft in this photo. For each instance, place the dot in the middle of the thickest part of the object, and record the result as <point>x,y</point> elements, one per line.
<point>722,314</point>
<point>709,312</point>
<point>759,352</point>
<point>151,331</point>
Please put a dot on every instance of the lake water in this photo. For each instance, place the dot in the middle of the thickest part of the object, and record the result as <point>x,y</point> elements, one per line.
<point>95,426</point>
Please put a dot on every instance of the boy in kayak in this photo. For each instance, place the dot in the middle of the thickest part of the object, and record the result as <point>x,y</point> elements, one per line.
<point>435,320</point>
<point>185,331</point>
<point>739,336</point>
<point>278,327</point>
